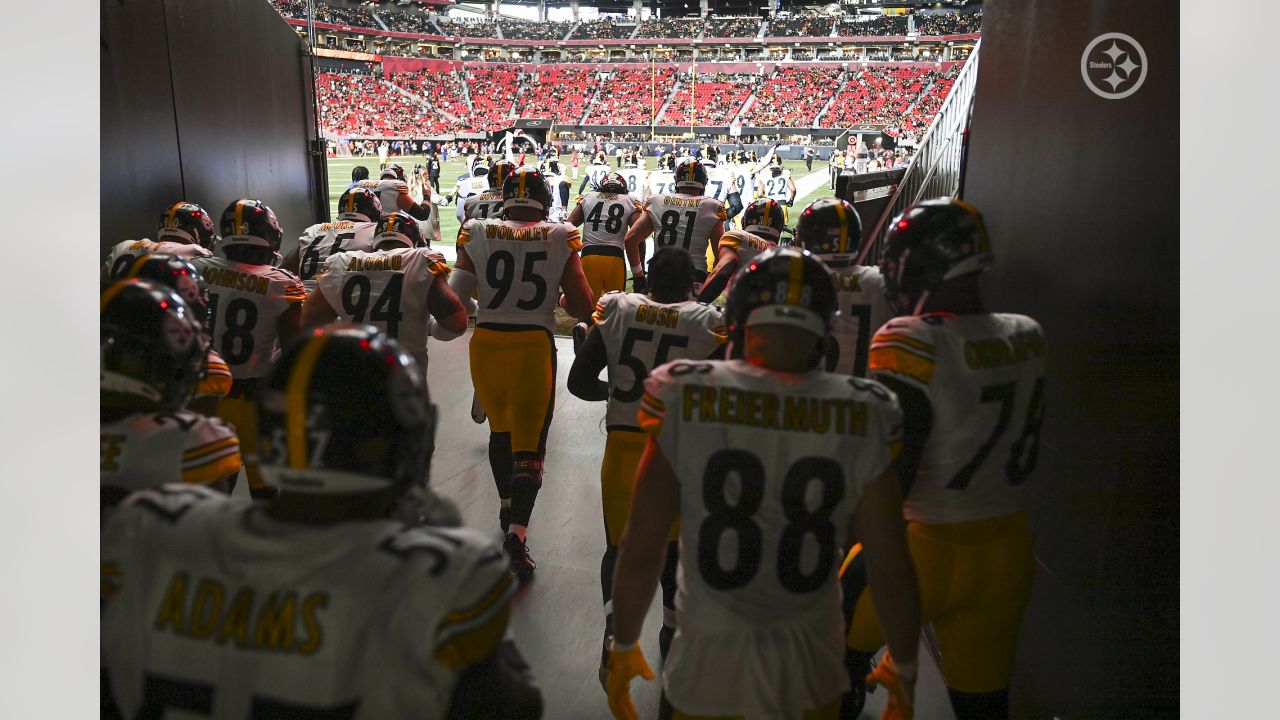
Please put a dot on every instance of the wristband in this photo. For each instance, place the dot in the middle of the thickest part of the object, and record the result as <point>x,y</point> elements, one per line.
<point>637,270</point>
<point>615,646</point>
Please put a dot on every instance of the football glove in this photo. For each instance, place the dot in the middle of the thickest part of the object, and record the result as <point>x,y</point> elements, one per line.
<point>624,665</point>
<point>639,284</point>
<point>902,690</point>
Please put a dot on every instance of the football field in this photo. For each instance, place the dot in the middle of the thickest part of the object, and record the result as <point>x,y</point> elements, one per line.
<point>340,177</point>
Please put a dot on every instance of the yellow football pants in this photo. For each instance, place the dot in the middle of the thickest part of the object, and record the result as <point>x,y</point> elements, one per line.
<point>622,451</point>
<point>605,273</point>
<point>514,374</point>
<point>975,581</point>
<point>240,408</point>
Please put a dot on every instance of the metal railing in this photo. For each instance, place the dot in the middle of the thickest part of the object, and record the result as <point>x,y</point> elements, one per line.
<point>935,169</point>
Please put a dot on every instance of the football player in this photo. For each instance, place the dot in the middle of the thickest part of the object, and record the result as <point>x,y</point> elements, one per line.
<point>634,174</point>
<point>252,306</point>
<point>633,334</point>
<point>392,188</point>
<point>358,211</point>
<point>488,204</point>
<point>663,180</point>
<point>183,277</point>
<point>604,214</point>
<point>775,182</point>
<point>185,230</point>
<point>721,185</point>
<point>762,229</point>
<point>971,385</point>
<point>781,456</point>
<point>517,264</point>
<point>400,287</point>
<point>831,229</point>
<point>686,218</point>
<point>468,185</point>
<point>595,173</point>
<point>153,355</point>
<point>560,188</point>
<point>327,602</point>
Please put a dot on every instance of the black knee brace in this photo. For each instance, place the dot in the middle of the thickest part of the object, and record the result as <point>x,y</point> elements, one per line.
<point>500,462</point>
<point>669,575</point>
<point>526,481</point>
<point>980,706</point>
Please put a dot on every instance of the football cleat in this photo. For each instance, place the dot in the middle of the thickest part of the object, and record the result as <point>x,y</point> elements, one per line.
<point>829,227</point>
<point>359,204</point>
<point>186,222</point>
<point>521,563</point>
<point>929,243</point>
<point>579,335</point>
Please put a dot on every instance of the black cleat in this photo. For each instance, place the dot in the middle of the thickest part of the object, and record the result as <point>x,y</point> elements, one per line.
<point>859,666</point>
<point>521,564</point>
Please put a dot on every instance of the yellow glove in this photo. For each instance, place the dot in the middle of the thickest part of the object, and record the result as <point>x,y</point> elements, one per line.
<point>901,685</point>
<point>625,664</point>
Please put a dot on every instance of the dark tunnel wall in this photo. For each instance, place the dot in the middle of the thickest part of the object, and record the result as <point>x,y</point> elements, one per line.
<point>204,101</point>
<point>1080,195</point>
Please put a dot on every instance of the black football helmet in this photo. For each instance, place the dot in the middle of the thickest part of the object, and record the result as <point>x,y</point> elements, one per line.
<point>552,167</point>
<point>613,183</point>
<point>186,222</point>
<point>929,243</point>
<point>359,204</point>
<point>691,175</point>
<point>400,229</point>
<point>499,173</point>
<point>248,222</point>
<point>177,274</point>
<point>766,218</point>
<point>667,162</point>
<point>829,226</point>
<point>153,346</point>
<point>345,412</point>
<point>781,286</point>
<point>395,172</point>
<point>527,187</point>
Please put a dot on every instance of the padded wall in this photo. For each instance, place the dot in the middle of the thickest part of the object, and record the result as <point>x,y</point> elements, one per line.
<point>207,101</point>
<point>1080,195</point>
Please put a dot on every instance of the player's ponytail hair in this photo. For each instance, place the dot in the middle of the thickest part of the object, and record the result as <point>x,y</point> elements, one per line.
<point>671,275</point>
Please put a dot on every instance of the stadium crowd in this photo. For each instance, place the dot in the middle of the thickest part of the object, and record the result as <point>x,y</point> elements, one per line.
<point>665,28</point>
<point>799,26</point>
<point>626,100</point>
<point>884,25</point>
<point>948,23</point>
<point>738,27</point>
<point>526,30</point>
<point>602,29</point>
<point>717,99</point>
<point>468,28</point>
<point>792,98</point>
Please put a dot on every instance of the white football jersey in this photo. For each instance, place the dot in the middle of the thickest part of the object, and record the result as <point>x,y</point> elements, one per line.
<point>685,221</point>
<point>778,188</point>
<point>746,245</point>
<point>606,217</point>
<point>771,467</point>
<point>387,289</point>
<point>720,183</point>
<point>467,186</point>
<point>389,193</point>
<point>984,378</point>
<point>320,242</point>
<point>244,303</point>
<point>151,449</point>
<point>483,206</point>
<point>211,598</point>
<point>662,182</point>
<point>526,259</point>
<point>596,173</point>
<point>637,182</point>
<point>123,254</point>
<point>862,310</point>
<point>639,334</point>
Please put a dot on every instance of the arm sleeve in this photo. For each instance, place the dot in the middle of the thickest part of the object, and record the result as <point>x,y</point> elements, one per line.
<point>735,204</point>
<point>463,284</point>
<point>712,288</point>
<point>917,421</point>
<point>584,376</point>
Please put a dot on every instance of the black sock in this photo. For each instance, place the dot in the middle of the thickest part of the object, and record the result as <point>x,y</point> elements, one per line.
<point>500,462</point>
<point>669,577</point>
<point>607,563</point>
<point>526,481</point>
<point>980,706</point>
